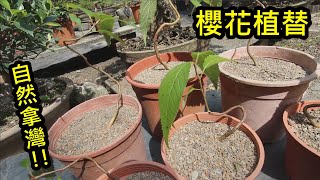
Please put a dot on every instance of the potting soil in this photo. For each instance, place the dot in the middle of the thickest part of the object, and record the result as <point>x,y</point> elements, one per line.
<point>302,127</point>
<point>195,149</point>
<point>267,69</point>
<point>89,132</point>
<point>155,74</point>
<point>149,175</point>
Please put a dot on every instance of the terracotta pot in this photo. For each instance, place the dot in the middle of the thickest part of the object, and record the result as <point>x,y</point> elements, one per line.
<point>130,146</point>
<point>301,160</point>
<point>265,101</point>
<point>148,94</point>
<point>136,12</point>
<point>132,167</point>
<point>65,32</point>
<point>216,117</point>
<point>11,142</point>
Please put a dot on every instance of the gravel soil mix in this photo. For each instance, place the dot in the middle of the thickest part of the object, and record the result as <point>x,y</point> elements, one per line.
<point>268,69</point>
<point>89,132</point>
<point>155,74</point>
<point>149,175</point>
<point>168,37</point>
<point>49,90</point>
<point>196,150</point>
<point>305,130</point>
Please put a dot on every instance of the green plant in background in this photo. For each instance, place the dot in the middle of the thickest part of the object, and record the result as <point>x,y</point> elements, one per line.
<point>25,28</point>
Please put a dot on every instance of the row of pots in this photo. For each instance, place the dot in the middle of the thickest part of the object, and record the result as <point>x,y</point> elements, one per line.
<point>265,103</point>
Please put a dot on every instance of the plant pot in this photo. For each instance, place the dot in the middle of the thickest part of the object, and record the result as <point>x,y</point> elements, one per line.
<point>129,146</point>
<point>133,167</point>
<point>131,57</point>
<point>216,117</point>
<point>148,94</point>
<point>136,12</point>
<point>265,101</point>
<point>65,32</point>
<point>301,160</point>
<point>11,142</point>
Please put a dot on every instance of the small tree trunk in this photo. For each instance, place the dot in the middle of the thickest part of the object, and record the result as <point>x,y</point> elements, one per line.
<point>164,14</point>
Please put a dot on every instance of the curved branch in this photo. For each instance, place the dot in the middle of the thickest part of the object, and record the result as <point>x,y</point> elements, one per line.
<point>228,133</point>
<point>156,35</point>
<point>312,119</point>
<point>119,102</point>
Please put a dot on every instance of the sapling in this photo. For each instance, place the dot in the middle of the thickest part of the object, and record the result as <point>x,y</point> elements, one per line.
<point>105,23</point>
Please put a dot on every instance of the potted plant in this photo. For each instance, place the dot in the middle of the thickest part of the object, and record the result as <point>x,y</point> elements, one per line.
<point>173,39</point>
<point>145,77</point>
<point>66,29</point>
<point>265,99</point>
<point>106,129</point>
<point>140,170</point>
<point>135,7</point>
<point>302,154</point>
<point>54,96</point>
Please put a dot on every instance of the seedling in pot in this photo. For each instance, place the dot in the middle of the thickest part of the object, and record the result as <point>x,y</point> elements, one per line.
<point>105,23</point>
<point>174,83</point>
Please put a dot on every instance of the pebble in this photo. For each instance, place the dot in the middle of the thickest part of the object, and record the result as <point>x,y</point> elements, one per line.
<point>208,156</point>
<point>268,69</point>
<point>305,130</point>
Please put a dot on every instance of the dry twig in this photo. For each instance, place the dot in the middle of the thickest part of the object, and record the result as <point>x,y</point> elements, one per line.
<point>156,35</point>
<point>119,102</point>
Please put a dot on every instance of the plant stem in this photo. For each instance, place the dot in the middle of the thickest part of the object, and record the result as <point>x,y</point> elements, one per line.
<point>156,35</point>
<point>119,102</point>
<point>312,119</point>
<point>201,87</point>
<point>249,53</point>
<point>69,165</point>
<point>248,44</point>
<point>228,133</point>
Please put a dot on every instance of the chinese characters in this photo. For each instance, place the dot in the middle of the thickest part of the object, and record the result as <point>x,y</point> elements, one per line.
<point>27,102</point>
<point>244,23</point>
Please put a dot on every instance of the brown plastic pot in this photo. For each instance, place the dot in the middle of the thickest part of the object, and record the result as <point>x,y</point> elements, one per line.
<point>136,12</point>
<point>132,167</point>
<point>216,117</point>
<point>265,101</point>
<point>129,146</point>
<point>301,160</point>
<point>65,32</point>
<point>148,94</point>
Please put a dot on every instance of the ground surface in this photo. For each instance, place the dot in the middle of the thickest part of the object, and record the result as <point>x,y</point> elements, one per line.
<point>274,162</point>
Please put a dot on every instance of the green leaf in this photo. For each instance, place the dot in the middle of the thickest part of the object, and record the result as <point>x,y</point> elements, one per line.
<point>217,3</point>
<point>24,26</point>
<point>25,163</point>
<point>50,18</point>
<point>199,57</point>
<point>106,21</point>
<point>77,7</point>
<point>210,67</point>
<point>75,19</point>
<point>59,178</point>
<point>170,94</point>
<point>5,4</point>
<point>108,35</point>
<point>53,24</point>
<point>148,10</point>
<point>196,3</point>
